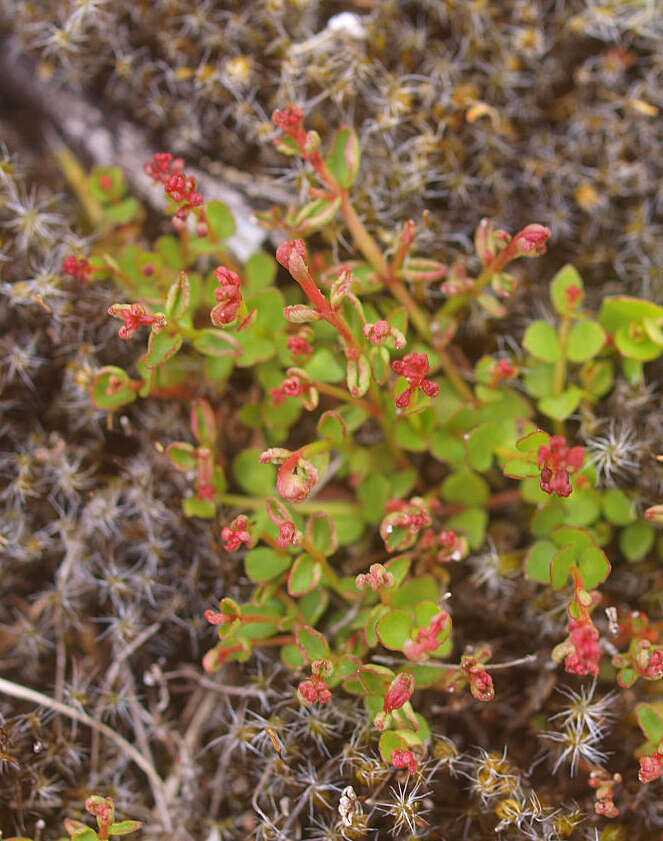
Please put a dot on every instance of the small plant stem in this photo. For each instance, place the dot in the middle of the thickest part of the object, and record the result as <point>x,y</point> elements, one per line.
<point>23,693</point>
<point>560,369</point>
<point>346,397</point>
<point>371,251</point>
<point>283,639</point>
<point>328,570</point>
<point>331,507</point>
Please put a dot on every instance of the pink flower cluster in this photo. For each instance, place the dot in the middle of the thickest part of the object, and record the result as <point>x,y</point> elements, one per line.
<point>404,759</point>
<point>481,683</point>
<point>293,386</point>
<point>289,534</point>
<point>556,463</point>
<point>182,188</point>
<point>316,690</point>
<point>77,267</point>
<point>376,578</point>
<point>415,367</point>
<point>447,545</point>
<point>651,767</point>
<point>585,655</point>
<point>229,296</point>
<point>136,316</point>
<point>427,638</point>
<point>236,533</point>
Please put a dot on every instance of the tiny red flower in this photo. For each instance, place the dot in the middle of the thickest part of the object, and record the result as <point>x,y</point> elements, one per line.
<point>299,346</point>
<point>229,296</point>
<point>236,533</point>
<point>404,759</point>
<point>136,316</point>
<point>556,462</point>
<point>375,578</point>
<point>414,367</point>
<point>427,638</point>
<point>399,692</point>
<point>530,242</point>
<point>651,767</point>
<point>78,267</point>
<point>586,652</point>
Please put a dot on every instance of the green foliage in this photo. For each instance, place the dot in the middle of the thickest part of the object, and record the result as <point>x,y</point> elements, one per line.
<point>341,363</point>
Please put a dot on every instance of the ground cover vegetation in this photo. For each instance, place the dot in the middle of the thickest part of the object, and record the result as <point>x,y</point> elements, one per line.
<point>356,536</point>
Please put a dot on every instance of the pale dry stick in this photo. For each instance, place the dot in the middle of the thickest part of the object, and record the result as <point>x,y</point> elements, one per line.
<point>23,693</point>
<point>436,664</point>
<point>111,674</point>
<point>188,744</point>
<point>221,689</point>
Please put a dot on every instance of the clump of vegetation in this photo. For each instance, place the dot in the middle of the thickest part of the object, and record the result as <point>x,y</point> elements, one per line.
<point>416,499</point>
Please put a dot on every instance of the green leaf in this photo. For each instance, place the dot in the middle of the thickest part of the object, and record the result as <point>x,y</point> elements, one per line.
<point>465,487</point>
<point>562,405</point>
<point>194,507</point>
<point>650,721</point>
<point>112,388</point>
<point>585,340</point>
<point>179,296</point>
<point>331,425</point>
<point>304,575</point>
<point>252,475</point>
<point>315,215</point>
<point>415,590</point>
<point>399,568</point>
<point>597,377</point>
<point>269,304</point>
<point>106,184</point>
<point>542,342</point>
<point>546,519</point>
<point>292,656</point>
<point>582,508</point>
<point>349,528</point>
<point>264,563</point>
<point>124,827</point>
<point>373,493</point>
<point>620,311</point>
<point>538,560</point>
<point>579,538</point>
<point>312,644</point>
<point>182,455</point>
<point>533,442</point>
<point>594,567</point>
<point>324,367</point>
<point>314,604</point>
<point>636,541</point>
<point>560,566</point>
<point>617,507</point>
<point>220,219</point>
<point>633,342</point>
<point>344,160</point>
<point>447,447</point>
<point>394,629</point>
<point>321,531</point>
<point>123,212</point>
<point>473,523</point>
<point>390,741</point>
<point>520,468</point>
<point>567,276</point>
<point>481,443</point>
<point>256,347</point>
<point>259,272</point>
<point>212,342</point>
<point>540,379</point>
<point>161,347</point>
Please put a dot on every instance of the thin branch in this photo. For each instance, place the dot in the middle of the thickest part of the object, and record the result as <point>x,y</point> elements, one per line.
<point>23,693</point>
<point>436,664</point>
